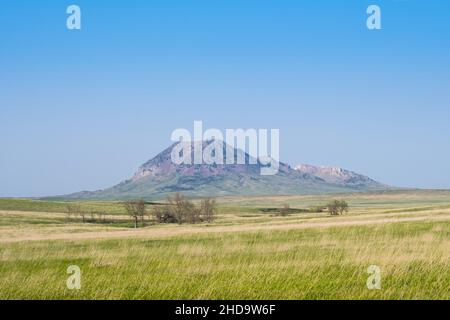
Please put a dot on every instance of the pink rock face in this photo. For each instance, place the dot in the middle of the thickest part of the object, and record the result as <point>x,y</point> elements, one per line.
<point>162,168</point>
<point>160,176</point>
<point>334,174</point>
<point>162,165</point>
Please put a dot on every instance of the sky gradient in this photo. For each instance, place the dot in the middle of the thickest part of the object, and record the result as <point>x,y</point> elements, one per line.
<point>82,109</point>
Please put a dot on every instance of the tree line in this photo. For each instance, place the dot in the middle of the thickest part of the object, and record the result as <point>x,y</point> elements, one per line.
<point>178,209</point>
<point>334,208</point>
<point>75,211</point>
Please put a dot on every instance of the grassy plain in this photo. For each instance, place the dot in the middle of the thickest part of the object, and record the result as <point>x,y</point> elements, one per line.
<point>247,253</point>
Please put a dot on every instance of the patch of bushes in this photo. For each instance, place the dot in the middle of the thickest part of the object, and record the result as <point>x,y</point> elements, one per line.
<point>337,207</point>
<point>180,209</point>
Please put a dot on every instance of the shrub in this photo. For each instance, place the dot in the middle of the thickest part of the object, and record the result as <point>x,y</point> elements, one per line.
<point>337,207</point>
<point>181,210</point>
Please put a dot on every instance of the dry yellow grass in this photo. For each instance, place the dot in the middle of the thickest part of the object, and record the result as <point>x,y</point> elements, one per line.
<point>245,254</point>
<point>80,231</point>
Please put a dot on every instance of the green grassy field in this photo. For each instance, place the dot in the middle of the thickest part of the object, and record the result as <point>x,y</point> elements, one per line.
<point>247,253</point>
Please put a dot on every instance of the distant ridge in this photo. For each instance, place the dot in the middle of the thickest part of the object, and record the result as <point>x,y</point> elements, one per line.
<point>339,176</point>
<point>159,177</point>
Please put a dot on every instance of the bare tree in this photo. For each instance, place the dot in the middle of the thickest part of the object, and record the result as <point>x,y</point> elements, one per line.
<point>191,212</point>
<point>177,207</point>
<point>135,209</point>
<point>208,209</point>
<point>181,210</point>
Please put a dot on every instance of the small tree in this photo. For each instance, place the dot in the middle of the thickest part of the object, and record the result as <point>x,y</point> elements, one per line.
<point>332,208</point>
<point>208,209</point>
<point>179,207</point>
<point>343,207</point>
<point>136,210</point>
<point>337,207</point>
<point>191,212</point>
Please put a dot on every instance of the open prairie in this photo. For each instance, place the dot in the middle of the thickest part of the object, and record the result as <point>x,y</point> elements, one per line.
<point>249,252</point>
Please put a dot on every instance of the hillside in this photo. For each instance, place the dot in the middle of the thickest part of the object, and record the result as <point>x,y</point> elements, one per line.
<point>160,176</point>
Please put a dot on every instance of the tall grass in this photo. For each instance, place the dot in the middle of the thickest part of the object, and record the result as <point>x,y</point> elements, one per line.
<point>313,263</point>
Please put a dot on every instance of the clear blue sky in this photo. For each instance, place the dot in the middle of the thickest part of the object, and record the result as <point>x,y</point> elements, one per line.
<point>83,109</point>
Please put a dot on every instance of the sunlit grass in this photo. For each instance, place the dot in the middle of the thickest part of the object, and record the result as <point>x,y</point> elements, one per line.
<point>246,254</point>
